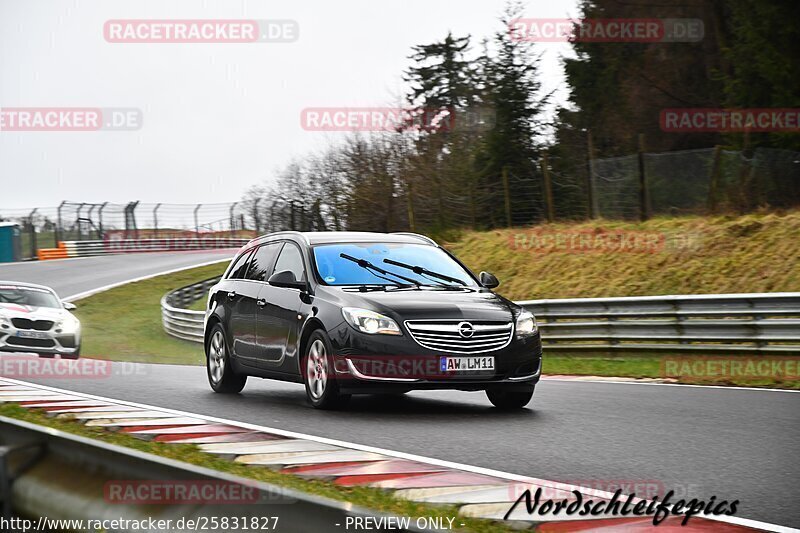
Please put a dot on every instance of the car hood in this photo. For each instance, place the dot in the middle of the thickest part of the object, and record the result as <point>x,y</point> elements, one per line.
<point>32,312</point>
<point>468,304</point>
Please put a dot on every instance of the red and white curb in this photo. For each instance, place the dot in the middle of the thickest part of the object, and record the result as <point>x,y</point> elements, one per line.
<point>477,492</point>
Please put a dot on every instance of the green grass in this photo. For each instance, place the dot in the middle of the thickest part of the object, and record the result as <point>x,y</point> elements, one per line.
<point>651,365</point>
<point>371,498</point>
<point>702,255</point>
<point>124,323</point>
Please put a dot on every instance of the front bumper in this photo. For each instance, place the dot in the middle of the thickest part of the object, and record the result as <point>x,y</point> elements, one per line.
<point>50,342</point>
<point>384,363</point>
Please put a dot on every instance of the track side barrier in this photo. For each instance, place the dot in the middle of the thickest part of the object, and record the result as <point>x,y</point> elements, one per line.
<point>67,249</point>
<point>721,323</point>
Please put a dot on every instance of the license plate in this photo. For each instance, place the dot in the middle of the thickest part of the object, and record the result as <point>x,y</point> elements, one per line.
<point>466,364</point>
<point>33,335</point>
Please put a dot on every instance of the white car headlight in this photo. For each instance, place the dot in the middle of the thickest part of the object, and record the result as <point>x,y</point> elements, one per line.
<point>367,321</point>
<point>69,324</point>
<point>526,324</point>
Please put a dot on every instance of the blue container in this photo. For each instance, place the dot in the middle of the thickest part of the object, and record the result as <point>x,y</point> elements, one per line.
<point>10,242</point>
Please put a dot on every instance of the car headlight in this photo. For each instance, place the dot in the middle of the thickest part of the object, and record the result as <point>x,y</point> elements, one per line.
<point>526,324</point>
<point>367,321</point>
<point>69,325</point>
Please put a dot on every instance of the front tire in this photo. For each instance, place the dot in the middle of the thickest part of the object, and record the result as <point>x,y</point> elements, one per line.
<point>221,375</point>
<point>509,400</point>
<point>322,390</point>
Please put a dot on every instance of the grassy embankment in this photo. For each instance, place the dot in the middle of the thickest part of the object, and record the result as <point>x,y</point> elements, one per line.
<point>696,255</point>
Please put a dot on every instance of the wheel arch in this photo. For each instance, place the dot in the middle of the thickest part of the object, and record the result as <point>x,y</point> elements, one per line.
<point>312,324</point>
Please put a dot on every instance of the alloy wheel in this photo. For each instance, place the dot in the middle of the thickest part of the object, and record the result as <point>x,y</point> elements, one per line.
<point>216,357</point>
<point>317,369</point>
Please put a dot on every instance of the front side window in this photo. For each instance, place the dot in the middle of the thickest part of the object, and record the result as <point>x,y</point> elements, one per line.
<point>262,261</point>
<point>14,295</point>
<point>334,269</point>
<point>292,260</point>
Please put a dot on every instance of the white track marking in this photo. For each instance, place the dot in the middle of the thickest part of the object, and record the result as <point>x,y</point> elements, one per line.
<point>400,455</point>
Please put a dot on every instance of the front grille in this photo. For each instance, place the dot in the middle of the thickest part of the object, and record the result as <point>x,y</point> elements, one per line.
<point>30,343</point>
<point>27,323</point>
<point>446,336</point>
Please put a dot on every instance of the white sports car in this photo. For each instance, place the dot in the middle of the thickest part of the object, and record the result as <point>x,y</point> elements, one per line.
<point>34,320</point>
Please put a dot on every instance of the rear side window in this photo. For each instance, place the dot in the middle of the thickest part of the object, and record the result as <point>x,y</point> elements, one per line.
<point>291,260</point>
<point>239,268</point>
<point>262,260</point>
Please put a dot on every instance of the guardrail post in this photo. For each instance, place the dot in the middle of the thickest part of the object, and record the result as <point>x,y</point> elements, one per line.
<point>59,223</point>
<point>32,229</point>
<point>100,232</point>
<point>232,219</point>
<point>155,221</point>
<point>196,223</point>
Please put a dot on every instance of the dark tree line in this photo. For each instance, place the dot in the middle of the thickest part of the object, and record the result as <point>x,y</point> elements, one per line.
<point>481,164</point>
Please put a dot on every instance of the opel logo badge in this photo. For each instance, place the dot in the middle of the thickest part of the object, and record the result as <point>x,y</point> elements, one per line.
<point>466,330</point>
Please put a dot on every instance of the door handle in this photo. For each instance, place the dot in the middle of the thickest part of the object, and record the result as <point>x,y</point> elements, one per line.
<point>261,302</point>
<point>231,295</point>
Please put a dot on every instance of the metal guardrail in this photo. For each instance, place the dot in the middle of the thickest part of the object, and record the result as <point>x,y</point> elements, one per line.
<point>185,323</point>
<point>752,323</point>
<point>764,323</point>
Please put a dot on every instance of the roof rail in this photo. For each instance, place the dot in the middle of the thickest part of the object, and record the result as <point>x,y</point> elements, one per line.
<point>289,232</point>
<point>410,234</point>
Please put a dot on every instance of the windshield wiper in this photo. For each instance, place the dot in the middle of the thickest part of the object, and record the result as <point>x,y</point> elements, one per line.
<point>422,270</point>
<point>363,263</point>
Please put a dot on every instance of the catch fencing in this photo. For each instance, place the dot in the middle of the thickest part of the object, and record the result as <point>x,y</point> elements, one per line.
<point>721,323</point>
<point>634,186</point>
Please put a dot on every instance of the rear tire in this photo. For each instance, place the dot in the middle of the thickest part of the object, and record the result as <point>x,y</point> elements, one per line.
<point>509,400</point>
<point>322,390</point>
<point>221,375</point>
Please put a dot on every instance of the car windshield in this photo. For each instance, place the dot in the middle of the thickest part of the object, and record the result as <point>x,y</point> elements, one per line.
<point>10,294</point>
<point>337,270</point>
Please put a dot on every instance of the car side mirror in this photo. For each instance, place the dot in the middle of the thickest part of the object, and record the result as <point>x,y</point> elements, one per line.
<point>286,280</point>
<point>488,280</point>
<point>69,306</point>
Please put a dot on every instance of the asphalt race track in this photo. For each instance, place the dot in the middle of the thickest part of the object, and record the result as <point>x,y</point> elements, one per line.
<point>698,441</point>
<point>732,443</point>
<point>73,276</point>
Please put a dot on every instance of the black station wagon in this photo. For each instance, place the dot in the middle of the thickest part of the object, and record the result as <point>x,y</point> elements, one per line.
<point>366,313</point>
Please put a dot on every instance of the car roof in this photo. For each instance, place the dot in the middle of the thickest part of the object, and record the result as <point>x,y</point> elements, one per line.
<point>329,237</point>
<point>25,284</point>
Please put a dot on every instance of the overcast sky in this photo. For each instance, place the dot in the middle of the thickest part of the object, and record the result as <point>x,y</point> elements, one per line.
<point>217,118</point>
